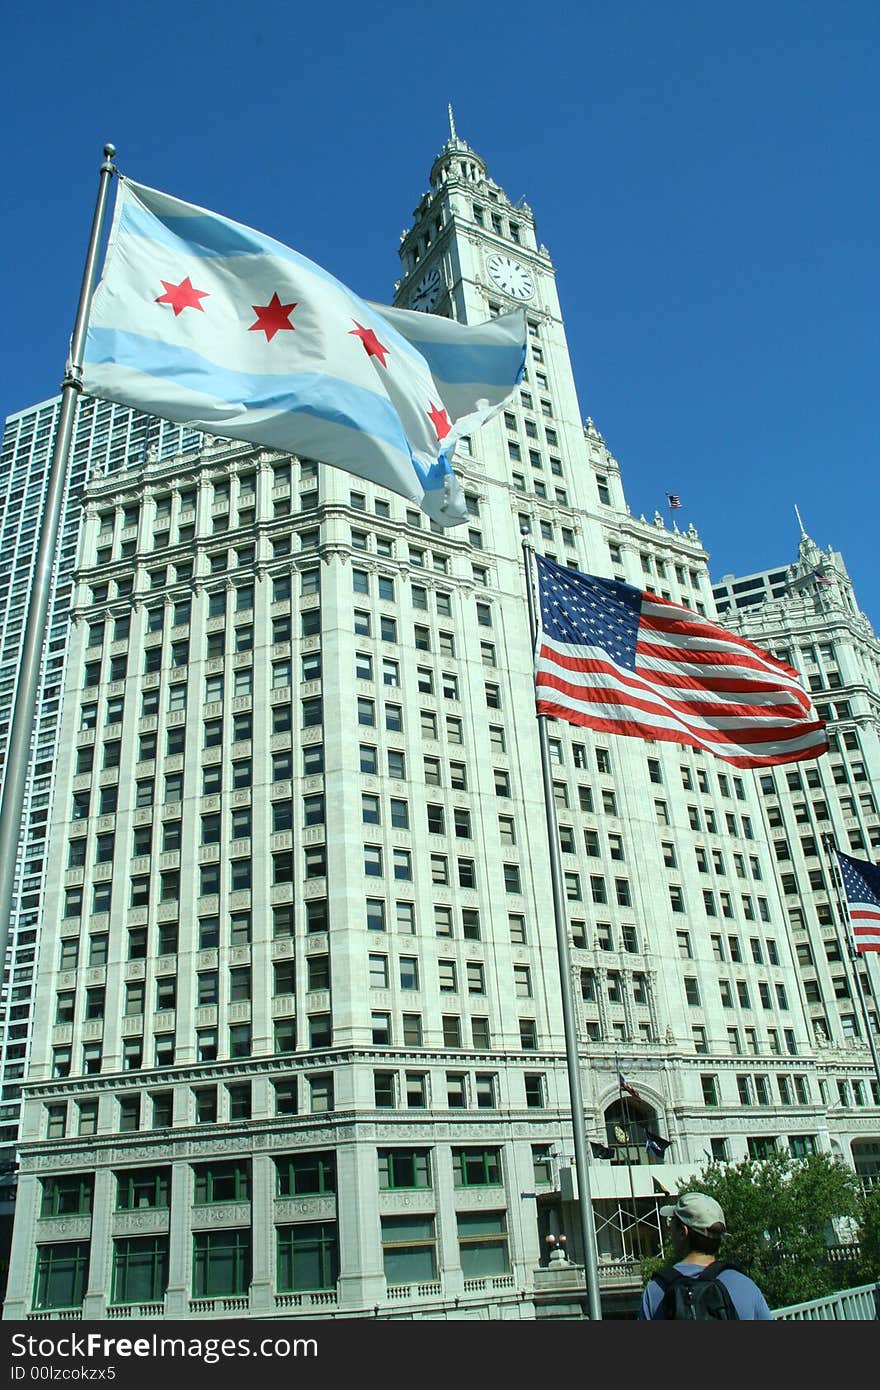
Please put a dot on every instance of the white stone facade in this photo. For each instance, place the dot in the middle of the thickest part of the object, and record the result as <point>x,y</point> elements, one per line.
<point>298,1044</point>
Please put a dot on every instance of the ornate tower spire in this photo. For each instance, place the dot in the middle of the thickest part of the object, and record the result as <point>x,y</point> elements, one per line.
<point>451,121</point>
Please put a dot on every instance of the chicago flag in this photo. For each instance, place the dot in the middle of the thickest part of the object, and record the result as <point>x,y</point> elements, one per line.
<point>207,322</point>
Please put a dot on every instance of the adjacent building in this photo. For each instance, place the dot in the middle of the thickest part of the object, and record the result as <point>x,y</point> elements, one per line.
<point>297,1043</point>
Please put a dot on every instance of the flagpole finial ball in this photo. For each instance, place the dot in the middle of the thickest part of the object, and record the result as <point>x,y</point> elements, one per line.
<point>109,151</point>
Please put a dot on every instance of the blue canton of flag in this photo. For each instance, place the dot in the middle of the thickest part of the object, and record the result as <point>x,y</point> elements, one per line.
<point>861,883</point>
<point>623,661</point>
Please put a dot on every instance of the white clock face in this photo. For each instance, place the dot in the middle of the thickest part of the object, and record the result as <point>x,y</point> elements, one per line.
<point>427,291</point>
<point>510,276</point>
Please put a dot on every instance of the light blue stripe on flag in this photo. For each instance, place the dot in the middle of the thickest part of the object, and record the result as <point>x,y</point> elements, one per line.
<point>306,393</point>
<point>460,363</point>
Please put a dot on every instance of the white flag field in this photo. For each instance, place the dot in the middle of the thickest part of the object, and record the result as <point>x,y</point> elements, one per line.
<point>206,322</point>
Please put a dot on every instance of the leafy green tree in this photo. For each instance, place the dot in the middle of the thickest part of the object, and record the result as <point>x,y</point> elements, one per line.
<point>869,1235</point>
<point>779,1212</point>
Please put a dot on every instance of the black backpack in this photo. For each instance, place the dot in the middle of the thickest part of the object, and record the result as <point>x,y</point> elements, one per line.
<point>700,1297</point>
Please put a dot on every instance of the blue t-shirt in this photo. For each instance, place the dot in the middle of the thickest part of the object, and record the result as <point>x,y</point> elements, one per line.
<point>748,1300</point>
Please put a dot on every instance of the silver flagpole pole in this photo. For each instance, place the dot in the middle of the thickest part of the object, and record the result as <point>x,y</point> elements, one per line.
<point>581,1161</point>
<point>24,709</point>
<point>843,910</point>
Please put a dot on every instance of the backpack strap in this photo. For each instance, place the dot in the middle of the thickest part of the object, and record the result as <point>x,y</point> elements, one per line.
<point>667,1276</point>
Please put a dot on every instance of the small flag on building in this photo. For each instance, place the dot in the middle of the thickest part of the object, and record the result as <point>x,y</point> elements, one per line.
<point>601,1150</point>
<point>655,1144</point>
<point>824,580</point>
<point>660,1189</point>
<point>210,323</point>
<point>674,501</point>
<point>625,1086</point>
<point>861,884</point>
<point>623,661</point>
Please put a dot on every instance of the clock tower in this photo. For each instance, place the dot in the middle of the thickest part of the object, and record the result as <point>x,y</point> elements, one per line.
<point>471,254</point>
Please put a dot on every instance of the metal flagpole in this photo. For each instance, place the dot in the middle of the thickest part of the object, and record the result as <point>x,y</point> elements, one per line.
<point>24,708</point>
<point>843,910</point>
<point>582,1167</point>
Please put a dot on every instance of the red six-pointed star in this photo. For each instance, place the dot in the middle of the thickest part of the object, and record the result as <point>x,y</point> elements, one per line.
<point>372,346</point>
<point>182,296</point>
<point>440,421</point>
<point>272,317</point>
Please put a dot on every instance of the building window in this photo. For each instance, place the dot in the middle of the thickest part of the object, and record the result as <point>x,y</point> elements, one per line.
<point>308,1256</point>
<point>307,1174</point>
<point>140,1269</point>
<point>404,1168</point>
<point>474,1167</point>
<point>221,1263</point>
<point>70,1195</point>
<point>409,1249</point>
<point>61,1274</point>
<point>222,1182</point>
<point>482,1244</point>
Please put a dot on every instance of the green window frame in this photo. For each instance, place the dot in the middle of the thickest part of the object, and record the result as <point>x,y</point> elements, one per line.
<point>308,1256</point>
<point>306,1174</point>
<point>221,1182</point>
<point>476,1167</point>
<point>221,1264</point>
<point>70,1195</point>
<point>140,1269</point>
<point>61,1274</point>
<point>140,1188</point>
<point>404,1168</point>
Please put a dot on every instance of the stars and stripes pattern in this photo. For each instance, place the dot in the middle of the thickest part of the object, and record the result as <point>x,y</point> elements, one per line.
<point>624,1085</point>
<point>210,323</point>
<point>861,884</point>
<point>623,661</point>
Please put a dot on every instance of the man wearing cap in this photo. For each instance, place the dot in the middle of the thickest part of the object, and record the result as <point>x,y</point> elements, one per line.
<point>696,1225</point>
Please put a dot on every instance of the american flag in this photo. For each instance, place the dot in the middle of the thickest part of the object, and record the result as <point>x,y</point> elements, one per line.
<point>674,501</point>
<point>625,1086</point>
<point>623,661</point>
<point>861,883</point>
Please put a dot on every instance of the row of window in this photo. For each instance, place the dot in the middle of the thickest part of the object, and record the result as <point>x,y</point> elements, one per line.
<point>752,1046</point>
<point>771,996</point>
<point>752,1088</point>
<point>307,1258</point>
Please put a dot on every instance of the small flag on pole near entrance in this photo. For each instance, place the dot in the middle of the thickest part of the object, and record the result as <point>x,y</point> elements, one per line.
<point>625,1086</point>
<point>655,1144</point>
<point>861,884</point>
<point>622,661</point>
<point>601,1150</point>
<point>207,322</point>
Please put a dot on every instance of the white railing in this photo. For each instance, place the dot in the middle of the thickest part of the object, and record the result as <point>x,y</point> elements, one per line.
<point>849,1305</point>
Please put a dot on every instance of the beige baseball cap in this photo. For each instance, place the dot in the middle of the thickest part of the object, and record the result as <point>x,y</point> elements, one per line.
<point>698,1212</point>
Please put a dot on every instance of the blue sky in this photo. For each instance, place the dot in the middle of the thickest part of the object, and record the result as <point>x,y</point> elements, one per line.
<point>704,176</point>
